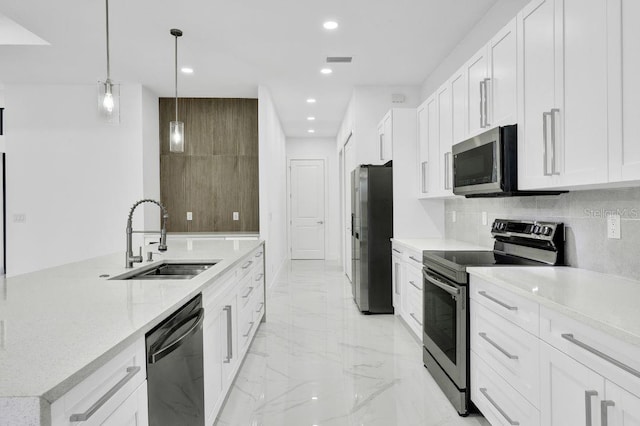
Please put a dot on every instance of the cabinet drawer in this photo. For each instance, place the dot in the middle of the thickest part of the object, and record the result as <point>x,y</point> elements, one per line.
<point>105,389</point>
<point>497,400</point>
<point>413,258</point>
<point>245,290</point>
<point>513,353</point>
<point>246,266</point>
<point>519,310</point>
<point>609,356</point>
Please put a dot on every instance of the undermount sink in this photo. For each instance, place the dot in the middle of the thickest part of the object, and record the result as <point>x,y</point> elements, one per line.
<point>168,270</point>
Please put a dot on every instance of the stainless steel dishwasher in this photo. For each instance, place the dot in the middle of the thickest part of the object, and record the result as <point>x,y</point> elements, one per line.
<point>174,368</point>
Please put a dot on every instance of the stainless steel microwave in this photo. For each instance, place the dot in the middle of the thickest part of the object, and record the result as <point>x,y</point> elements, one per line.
<point>487,165</point>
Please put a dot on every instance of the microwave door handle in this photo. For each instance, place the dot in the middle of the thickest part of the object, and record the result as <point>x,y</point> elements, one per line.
<point>545,141</point>
<point>449,289</point>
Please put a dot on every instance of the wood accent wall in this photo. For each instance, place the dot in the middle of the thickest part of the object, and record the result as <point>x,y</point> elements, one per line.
<point>218,172</point>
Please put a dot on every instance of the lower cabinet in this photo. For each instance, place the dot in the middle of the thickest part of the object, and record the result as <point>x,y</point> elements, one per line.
<point>407,287</point>
<point>233,311</point>
<point>133,411</point>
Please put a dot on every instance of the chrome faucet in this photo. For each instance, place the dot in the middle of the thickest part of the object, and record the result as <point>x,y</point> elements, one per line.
<point>130,258</point>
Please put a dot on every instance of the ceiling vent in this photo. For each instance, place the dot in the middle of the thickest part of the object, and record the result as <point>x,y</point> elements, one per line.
<point>339,59</point>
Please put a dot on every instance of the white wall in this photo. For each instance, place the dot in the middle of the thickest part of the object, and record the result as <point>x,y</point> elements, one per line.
<point>151,157</point>
<point>323,149</point>
<point>273,184</point>
<point>495,18</point>
<point>73,176</point>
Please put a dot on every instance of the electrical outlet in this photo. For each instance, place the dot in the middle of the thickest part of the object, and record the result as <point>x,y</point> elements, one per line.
<point>453,216</point>
<point>236,216</point>
<point>189,215</point>
<point>613,226</point>
<point>20,218</point>
<point>484,218</point>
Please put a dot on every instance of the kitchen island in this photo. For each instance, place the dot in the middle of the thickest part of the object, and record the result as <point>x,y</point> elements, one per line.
<point>60,325</point>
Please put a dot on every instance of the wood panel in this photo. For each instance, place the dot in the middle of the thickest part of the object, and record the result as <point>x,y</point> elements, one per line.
<point>218,172</point>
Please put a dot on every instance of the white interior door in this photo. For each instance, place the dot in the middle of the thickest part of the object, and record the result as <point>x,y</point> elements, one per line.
<point>307,209</point>
<point>349,165</point>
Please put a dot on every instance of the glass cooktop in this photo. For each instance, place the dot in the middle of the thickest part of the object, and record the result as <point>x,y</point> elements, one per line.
<point>462,259</point>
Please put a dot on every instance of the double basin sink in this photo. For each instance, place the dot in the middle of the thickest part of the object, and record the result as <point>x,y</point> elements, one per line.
<point>168,270</point>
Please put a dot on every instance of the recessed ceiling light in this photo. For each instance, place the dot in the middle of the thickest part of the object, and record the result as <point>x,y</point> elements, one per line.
<point>315,398</point>
<point>187,70</point>
<point>311,118</point>
<point>311,131</point>
<point>311,101</point>
<point>326,70</point>
<point>330,25</point>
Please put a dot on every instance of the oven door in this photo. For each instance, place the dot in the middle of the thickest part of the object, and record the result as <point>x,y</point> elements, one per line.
<point>477,164</point>
<point>445,324</point>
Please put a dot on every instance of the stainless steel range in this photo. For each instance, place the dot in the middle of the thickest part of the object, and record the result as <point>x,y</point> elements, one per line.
<point>446,316</point>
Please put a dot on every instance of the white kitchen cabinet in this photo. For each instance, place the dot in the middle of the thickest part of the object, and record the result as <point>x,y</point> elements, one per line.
<point>477,75</point>
<point>563,135</point>
<point>623,407</point>
<point>445,141</point>
<point>459,100</point>
<point>397,277</point>
<point>428,147</point>
<point>385,138</point>
<point>115,394</point>
<point>501,87</point>
<point>407,287</point>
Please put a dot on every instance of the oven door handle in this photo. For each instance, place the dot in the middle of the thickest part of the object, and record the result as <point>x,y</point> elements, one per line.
<point>446,287</point>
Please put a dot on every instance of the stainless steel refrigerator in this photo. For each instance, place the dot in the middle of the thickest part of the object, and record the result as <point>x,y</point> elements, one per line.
<point>371,232</point>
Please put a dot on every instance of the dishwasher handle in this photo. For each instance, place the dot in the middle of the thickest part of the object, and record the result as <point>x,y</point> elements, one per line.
<point>158,354</point>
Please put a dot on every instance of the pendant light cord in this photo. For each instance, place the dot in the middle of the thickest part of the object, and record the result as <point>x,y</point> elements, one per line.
<point>176,57</point>
<point>108,59</point>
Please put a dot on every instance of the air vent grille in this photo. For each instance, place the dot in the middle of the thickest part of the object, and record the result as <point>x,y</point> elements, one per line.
<point>339,59</point>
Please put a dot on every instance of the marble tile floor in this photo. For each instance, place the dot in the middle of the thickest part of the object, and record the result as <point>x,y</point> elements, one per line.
<point>318,361</point>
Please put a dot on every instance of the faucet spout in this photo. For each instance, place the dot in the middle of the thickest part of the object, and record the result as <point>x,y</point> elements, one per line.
<point>130,258</point>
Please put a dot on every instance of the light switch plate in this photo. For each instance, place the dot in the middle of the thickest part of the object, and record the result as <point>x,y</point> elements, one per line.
<point>20,218</point>
<point>613,226</point>
<point>189,215</point>
<point>236,216</point>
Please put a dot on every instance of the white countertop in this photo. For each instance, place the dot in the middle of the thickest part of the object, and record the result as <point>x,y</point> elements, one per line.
<point>422,244</point>
<point>60,324</point>
<point>602,301</point>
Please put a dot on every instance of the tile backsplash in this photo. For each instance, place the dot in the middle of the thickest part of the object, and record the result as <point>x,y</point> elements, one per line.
<point>584,214</point>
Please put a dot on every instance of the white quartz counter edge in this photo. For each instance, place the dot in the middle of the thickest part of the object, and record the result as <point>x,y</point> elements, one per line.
<point>604,302</point>
<point>194,287</point>
<point>423,244</point>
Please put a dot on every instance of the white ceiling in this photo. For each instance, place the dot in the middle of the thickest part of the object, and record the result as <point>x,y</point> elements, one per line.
<point>236,45</point>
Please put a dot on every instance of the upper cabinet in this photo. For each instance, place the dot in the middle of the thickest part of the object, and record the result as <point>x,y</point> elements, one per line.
<point>563,92</point>
<point>477,78</point>
<point>428,147</point>
<point>501,88</point>
<point>385,138</point>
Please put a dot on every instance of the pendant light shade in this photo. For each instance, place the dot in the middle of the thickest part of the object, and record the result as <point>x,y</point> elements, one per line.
<point>176,128</point>
<point>108,91</point>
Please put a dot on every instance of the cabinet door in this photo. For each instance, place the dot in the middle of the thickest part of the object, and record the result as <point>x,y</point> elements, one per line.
<point>581,120</point>
<point>398,276</point>
<point>536,26</point>
<point>459,106</point>
<point>428,146</point>
<point>501,86</point>
<point>445,135</point>
<point>133,411</point>
<point>570,391</point>
<point>476,80</point>
<point>214,343</point>
<point>626,153</point>
<point>625,410</point>
<point>388,137</point>
<point>381,142</point>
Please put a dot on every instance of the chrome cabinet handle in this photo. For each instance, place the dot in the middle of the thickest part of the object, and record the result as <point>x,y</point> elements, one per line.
<point>555,167</point>
<point>449,289</point>
<point>487,82</point>
<point>259,277</point>
<point>415,319</point>
<point>246,265</point>
<point>625,367</point>
<point>258,254</point>
<point>447,170</point>
<point>498,347</point>
<point>604,408</point>
<point>397,251</point>
<point>497,407</point>
<point>414,284</point>
<point>229,334</point>
<point>248,293</point>
<point>545,141</point>
<point>260,308</point>
<point>81,417</point>
<point>415,260</point>
<point>249,331</point>
<point>499,302</point>
<point>425,177</point>
<point>320,222</point>
<point>482,91</point>
<point>587,404</point>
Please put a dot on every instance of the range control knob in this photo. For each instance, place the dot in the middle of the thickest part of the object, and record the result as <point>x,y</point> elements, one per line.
<point>547,230</point>
<point>536,230</point>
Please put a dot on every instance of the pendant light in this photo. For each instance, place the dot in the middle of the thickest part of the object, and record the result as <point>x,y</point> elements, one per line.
<point>108,92</point>
<point>176,128</point>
